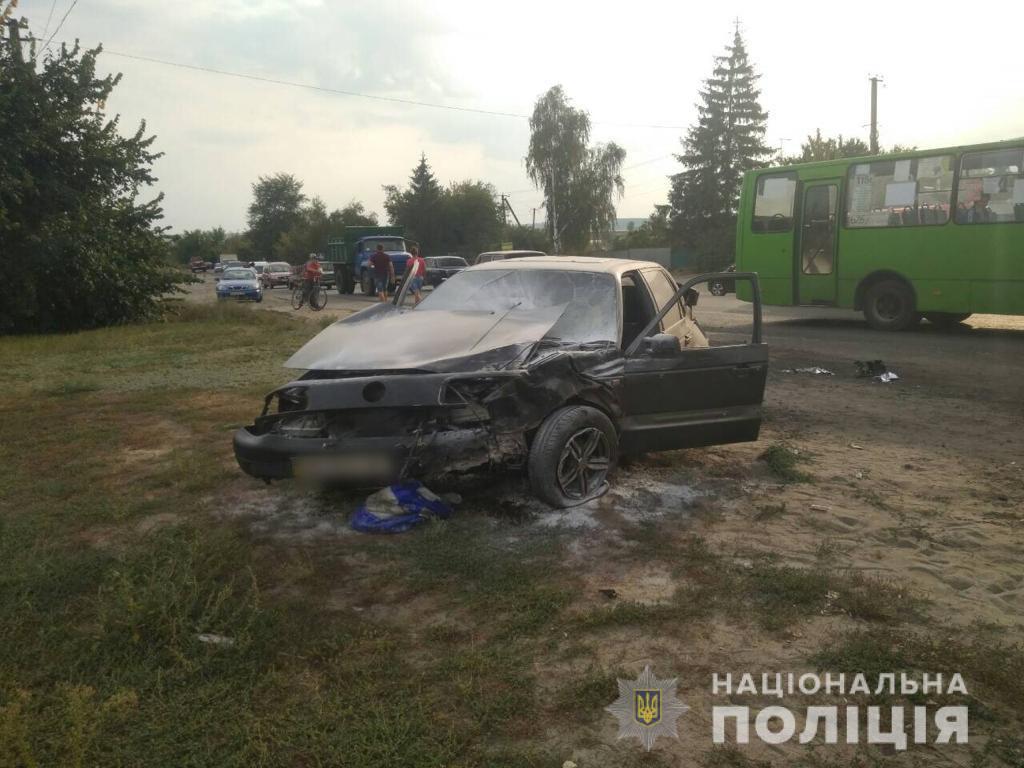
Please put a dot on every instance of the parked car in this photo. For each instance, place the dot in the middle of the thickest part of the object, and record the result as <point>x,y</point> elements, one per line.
<point>239,283</point>
<point>276,273</point>
<point>558,365</point>
<point>198,265</point>
<point>259,266</point>
<point>487,256</point>
<point>723,286</point>
<point>440,268</point>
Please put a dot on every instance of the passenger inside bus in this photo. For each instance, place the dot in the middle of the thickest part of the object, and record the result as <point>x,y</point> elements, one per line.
<point>979,212</point>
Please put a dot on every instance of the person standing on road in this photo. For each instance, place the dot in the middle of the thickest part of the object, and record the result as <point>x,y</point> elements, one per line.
<point>417,269</point>
<point>383,272</point>
<point>310,274</point>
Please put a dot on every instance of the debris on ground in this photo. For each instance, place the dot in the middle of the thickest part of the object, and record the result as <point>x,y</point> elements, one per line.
<point>819,508</point>
<point>608,592</point>
<point>213,639</point>
<point>399,507</point>
<point>814,370</point>
<point>874,369</point>
<point>867,369</point>
<point>857,447</point>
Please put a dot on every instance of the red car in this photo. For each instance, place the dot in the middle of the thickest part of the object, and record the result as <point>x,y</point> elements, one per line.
<point>276,273</point>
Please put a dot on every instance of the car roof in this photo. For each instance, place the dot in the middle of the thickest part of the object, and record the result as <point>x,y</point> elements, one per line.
<point>570,264</point>
<point>507,254</point>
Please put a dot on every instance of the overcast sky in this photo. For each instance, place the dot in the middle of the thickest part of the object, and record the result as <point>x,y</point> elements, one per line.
<point>951,76</point>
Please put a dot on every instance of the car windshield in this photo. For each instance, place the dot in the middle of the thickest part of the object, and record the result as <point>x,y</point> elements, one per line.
<point>589,298</point>
<point>389,245</point>
<point>452,261</point>
<point>238,274</point>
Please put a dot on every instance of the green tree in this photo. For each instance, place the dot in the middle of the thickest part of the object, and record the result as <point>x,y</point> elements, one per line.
<point>315,226</point>
<point>79,248</point>
<point>240,245</point>
<point>656,232</point>
<point>817,147</point>
<point>726,141</point>
<point>580,182</point>
<point>471,219</point>
<point>418,207</point>
<point>203,244</point>
<point>527,238</point>
<point>276,207</point>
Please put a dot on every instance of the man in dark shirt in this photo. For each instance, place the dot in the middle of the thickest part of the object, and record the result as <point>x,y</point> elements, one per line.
<point>383,272</point>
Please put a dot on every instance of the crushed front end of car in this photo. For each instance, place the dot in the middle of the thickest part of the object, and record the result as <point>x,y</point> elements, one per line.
<point>391,393</point>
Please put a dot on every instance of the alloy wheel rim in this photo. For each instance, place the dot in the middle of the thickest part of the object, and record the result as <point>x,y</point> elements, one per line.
<point>584,463</point>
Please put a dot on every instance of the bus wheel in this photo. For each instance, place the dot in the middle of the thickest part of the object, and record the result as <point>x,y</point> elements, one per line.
<point>889,306</point>
<point>946,320</point>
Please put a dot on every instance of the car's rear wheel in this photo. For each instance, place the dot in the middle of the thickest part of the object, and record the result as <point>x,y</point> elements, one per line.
<point>572,455</point>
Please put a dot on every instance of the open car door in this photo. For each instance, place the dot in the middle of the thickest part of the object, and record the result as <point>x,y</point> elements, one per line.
<point>684,397</point>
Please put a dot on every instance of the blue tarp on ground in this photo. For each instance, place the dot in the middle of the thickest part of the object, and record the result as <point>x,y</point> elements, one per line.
<point>398,508</point>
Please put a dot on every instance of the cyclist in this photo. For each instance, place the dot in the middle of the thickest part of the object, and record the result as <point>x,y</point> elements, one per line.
<point>310,275</point>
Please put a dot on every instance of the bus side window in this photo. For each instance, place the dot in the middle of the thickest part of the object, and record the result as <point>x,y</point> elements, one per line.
<point>773,203</point>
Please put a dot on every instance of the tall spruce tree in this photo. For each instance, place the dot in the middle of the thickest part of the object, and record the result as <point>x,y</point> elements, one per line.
<point>419,207</point>
<point>726,141</point>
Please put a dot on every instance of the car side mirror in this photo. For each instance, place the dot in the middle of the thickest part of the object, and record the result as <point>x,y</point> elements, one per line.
<point>660,345</point>
<point>690,297</point>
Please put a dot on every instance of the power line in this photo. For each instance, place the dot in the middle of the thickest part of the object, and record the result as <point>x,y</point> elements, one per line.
<point>49,17</point>
<point>341,92</point>
<point>62,20</point>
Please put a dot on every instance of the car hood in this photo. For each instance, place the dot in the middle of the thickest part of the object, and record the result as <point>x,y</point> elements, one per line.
<point>251,283</point>
<point>386,338</point>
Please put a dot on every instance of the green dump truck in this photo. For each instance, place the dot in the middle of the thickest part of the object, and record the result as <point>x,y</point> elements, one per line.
<point>350,255</point>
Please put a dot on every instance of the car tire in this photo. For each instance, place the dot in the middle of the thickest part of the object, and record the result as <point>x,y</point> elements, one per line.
<point>571,456</point>
<point>716,288</point>
<point>889,306</point>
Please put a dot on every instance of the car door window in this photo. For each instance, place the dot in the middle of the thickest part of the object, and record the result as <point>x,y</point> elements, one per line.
<point>663,288</point>
<point>637,307</point>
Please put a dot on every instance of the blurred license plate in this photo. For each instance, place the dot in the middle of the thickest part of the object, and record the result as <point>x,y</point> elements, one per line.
<point>354,466</point>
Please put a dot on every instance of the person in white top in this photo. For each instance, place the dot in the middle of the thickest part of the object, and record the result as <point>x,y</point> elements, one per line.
<point>417,271</point>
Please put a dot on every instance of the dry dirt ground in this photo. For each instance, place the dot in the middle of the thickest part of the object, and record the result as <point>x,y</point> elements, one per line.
<point>919,482</point>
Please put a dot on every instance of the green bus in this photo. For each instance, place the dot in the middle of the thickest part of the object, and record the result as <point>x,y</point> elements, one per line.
<point>937,233</point>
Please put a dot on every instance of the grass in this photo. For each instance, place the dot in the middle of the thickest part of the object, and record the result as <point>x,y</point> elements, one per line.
<point>782,461</point>
<point>439,647</point>
<point>101,614</point>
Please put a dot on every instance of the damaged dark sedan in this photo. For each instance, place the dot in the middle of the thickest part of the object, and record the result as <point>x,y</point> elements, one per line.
<point>555,366</point>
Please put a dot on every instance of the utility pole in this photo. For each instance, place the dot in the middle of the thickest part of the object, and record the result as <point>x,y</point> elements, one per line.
<point>15,32</point>
<point>505,204</point>
<point>873,136</point>
<point>555,239</point>
<point>533,224</point>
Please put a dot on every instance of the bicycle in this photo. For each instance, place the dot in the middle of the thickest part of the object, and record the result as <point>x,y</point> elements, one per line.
<point>317,296</point>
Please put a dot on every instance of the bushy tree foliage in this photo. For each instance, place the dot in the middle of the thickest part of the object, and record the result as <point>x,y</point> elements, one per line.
<point>204,244</point>
<point>654,233</point>
<point>726,142</point>
<point>315,226</point>
<point>78,248</point>
<point>276,208</point>
<point>817,147</point>
<point>580,183</point>
<point>462,218</point>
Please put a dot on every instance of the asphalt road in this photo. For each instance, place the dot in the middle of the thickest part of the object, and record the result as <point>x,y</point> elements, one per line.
<point>982,358</point>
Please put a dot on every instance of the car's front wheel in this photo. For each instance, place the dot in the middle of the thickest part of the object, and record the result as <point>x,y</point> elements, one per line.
<point>572,455</point>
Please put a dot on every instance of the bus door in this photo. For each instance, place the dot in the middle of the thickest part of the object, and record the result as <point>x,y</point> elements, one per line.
<point>816,243</point>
